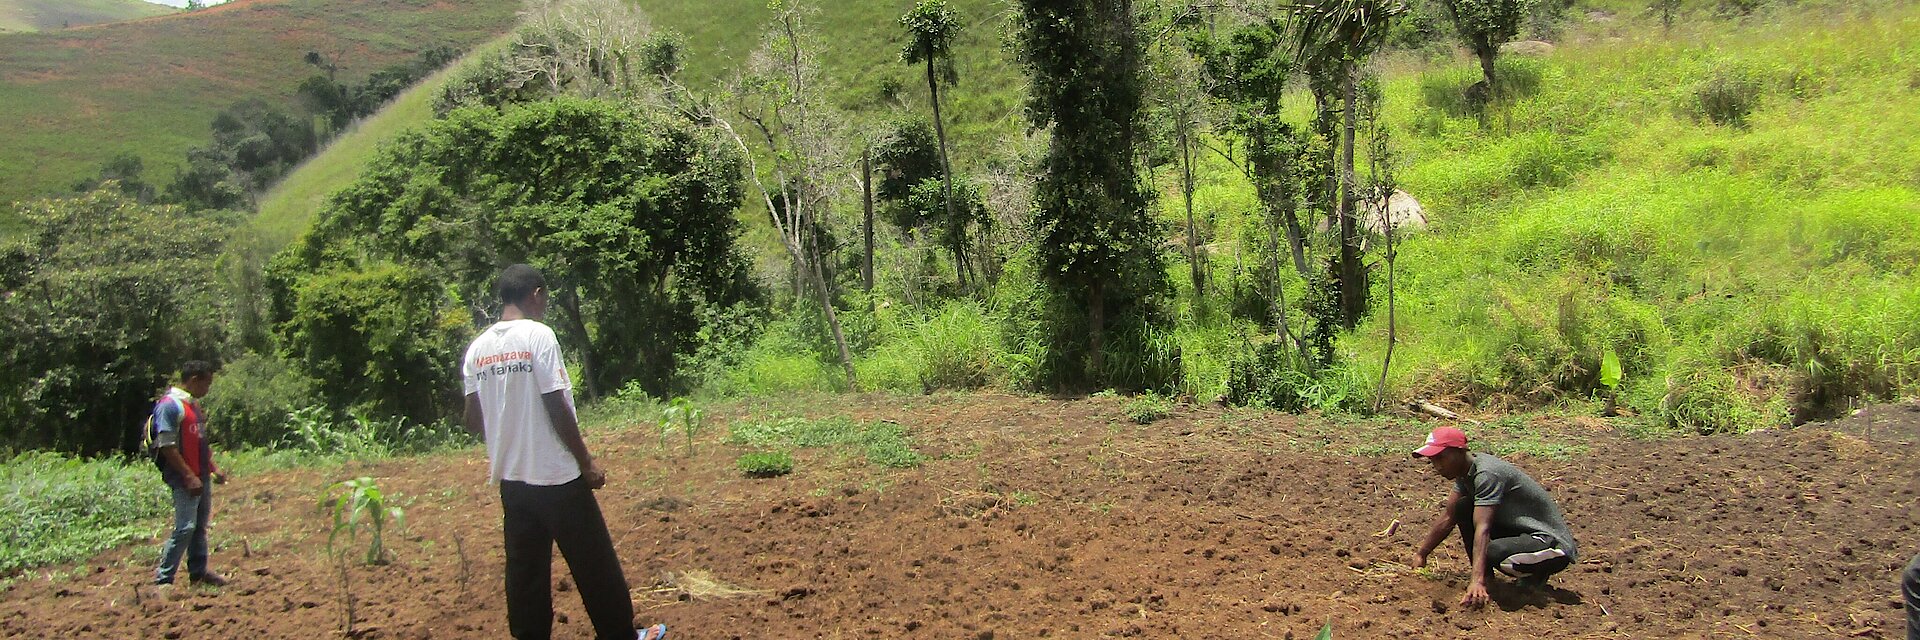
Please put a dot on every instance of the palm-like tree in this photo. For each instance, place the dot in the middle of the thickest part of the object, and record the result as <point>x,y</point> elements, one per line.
<point>931,29</point>
<point>1341,33</point>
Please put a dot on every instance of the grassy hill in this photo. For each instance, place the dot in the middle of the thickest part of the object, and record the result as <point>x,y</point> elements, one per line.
<point>1743,269</point>
<point>50,15</point>
<point>287,209</point>
<point>79,97</point>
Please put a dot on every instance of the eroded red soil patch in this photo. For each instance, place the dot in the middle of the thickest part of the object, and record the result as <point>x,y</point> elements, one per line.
<point>1039,518</point>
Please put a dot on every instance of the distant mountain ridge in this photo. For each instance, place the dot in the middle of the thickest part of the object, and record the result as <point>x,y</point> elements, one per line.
<point>79,97</point>
<point>51,15</point>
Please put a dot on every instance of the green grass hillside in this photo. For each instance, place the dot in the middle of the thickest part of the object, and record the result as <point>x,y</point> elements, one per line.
<point>287,209</point>
<point>1741,269</point>
<point>78,97</point>
<point>858,46</point>
<point>50,15</point>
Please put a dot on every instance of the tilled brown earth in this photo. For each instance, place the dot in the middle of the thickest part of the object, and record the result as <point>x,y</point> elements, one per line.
<point>1044,518</point>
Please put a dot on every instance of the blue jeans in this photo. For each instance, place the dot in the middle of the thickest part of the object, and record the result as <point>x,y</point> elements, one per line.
<point>189,536</point>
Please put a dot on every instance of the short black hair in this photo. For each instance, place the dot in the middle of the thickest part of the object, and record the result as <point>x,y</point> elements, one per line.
<point>517,282</point>
<point>195,369</point>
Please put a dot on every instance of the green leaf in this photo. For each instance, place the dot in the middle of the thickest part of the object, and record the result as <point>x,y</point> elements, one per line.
<point>1326,632</point>
<point>1610,372</point>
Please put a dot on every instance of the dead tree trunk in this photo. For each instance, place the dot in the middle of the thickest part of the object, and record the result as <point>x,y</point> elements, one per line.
<point>866,224</point>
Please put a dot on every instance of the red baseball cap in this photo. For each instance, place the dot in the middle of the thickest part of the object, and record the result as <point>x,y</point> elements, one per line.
<point>1441,439</point>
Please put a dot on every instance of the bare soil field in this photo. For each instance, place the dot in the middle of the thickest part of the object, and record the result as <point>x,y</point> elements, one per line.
<point>1035,518</point>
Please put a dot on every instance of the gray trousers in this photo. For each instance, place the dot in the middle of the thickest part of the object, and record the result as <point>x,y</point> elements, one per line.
<point>1910,591</point>
<point>1515,552</point>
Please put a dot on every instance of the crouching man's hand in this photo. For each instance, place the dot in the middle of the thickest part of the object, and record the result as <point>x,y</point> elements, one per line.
<point>1476,595</point>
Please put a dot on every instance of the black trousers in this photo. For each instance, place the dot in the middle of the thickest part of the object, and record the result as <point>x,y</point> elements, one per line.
<point>1515,552</point>
<point>1910,590</point>
<point>538,517</point>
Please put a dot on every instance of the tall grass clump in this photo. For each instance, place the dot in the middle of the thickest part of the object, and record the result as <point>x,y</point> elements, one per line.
<point>56,509</point>
<point>883,443</point>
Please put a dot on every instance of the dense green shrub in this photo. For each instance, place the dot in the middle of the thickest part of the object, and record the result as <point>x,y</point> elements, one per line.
<point>765,464</point>
<point>379,338</point>
<point>1148,407</point>
<point>1269,374</point>
<point>104,298</point>
<point>636,238</point>
<point>252,399</point>
<point>1727,96</point>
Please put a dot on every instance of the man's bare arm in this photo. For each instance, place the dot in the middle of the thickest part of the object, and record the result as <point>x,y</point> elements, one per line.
<point>1482,535</point>
<point>566,425</point>
<point>1438,532</point>
<point>473,420</point>
<point>171,454</point>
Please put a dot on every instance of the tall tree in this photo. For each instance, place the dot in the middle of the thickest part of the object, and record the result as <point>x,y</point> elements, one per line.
<point>1179,108</point>
<point>931,29</point>
<point>1344,33</point>
<point>628,211</point>
<point>1484,25</point>
<point>779,100</point>
<point>1247,70</point>
<point>1095,241</point>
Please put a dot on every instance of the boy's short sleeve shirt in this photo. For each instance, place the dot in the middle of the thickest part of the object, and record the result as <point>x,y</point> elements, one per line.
<point>510,366</point>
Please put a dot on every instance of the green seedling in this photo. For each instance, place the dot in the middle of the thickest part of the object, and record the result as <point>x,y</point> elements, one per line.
<point>692,418</point>
<point>667,417</point>
<point>1610,376</point>
<point>359,504</point>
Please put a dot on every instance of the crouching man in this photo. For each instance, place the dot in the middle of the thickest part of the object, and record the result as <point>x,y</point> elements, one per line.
<point>1506,520</point>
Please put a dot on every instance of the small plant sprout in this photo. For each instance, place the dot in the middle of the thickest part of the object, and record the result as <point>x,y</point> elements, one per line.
<point>1610,375</point>
<point>1326,632</point>
<point>359,504</point>
<point>668,415</point>
<point>691,417</point>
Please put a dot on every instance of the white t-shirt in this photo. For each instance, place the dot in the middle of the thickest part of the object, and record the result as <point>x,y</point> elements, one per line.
<point>511,365</point>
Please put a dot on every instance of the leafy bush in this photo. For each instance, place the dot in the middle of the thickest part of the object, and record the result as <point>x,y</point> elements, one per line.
<point>104,298</point>
<point>765,464</point>
<point>253,398</point>
<point>1446,90</point>
<point>1269,374</point>
<point>1148,407</point>
<point>379,336</point>
<point>1727,96</point>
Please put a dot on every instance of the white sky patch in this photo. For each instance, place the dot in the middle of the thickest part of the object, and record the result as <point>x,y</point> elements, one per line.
<point>182,3</point>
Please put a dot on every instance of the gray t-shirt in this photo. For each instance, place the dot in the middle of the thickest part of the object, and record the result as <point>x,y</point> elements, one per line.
<point>1523,504</point>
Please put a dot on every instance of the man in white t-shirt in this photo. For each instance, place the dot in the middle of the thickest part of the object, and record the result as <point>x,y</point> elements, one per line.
<point>520,400</point>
